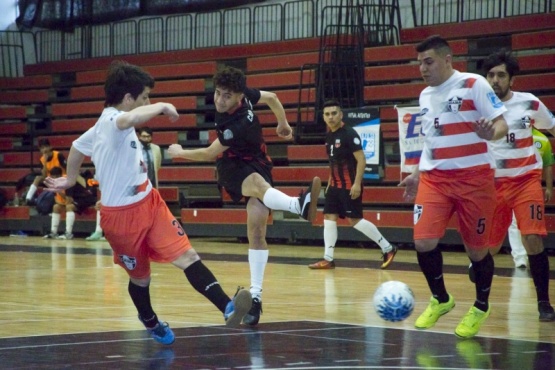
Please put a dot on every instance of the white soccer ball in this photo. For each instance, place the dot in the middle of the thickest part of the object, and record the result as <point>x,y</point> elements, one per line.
<point>394,301</point>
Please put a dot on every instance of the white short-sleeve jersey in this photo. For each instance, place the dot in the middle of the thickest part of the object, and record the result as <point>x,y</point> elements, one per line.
<point>516,154</point>
<point>448,112</point>
<point>118,160</point>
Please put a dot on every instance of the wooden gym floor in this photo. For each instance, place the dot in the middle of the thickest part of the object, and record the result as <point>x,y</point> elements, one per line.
<point>65,305</point>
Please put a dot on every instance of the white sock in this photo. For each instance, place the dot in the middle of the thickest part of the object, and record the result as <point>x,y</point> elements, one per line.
<point>330,238</point>
<point>70,220</point>
<point>55,223</point>
<point>258,258</point>
<point>371,231</point>
<point>31,192</point>
<point>275,199</point>
<point>98,228</point>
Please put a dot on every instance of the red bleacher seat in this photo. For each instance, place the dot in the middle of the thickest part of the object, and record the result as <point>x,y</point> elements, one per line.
<point>24,96</point>
<point>13,112</point>
<point>13,128</point>
<point>405,52</point>
<point>26,82</point>
<point>534,40</point>
<point>480,28</point>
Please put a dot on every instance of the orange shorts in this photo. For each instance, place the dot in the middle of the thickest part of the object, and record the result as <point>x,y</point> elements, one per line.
<point>523,195</point>
<point>470,193</point>
<point>141,232</point>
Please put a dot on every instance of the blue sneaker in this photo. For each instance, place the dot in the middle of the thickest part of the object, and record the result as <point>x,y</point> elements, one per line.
<point>237,308</point>
<point>161,333</point>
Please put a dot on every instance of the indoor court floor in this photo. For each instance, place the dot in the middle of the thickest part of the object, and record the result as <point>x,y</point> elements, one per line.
<point>65,306</point>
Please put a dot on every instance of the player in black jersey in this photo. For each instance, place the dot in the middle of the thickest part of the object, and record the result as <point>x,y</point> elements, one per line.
<point>245,169</point>
<point>344,189</point>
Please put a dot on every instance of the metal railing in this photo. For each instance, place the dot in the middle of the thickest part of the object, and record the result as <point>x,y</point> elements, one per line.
<point>264,23</point>
<point>430,12</point>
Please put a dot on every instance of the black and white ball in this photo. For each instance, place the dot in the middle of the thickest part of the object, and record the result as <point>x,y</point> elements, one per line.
<point>394,301</point>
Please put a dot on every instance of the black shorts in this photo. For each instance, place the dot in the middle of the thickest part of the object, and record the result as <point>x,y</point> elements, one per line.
<point>338,201</point>
<point>233,171</point>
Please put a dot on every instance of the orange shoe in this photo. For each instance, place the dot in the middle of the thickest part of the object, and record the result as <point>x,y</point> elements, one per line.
<point>388,257</point>
<point>322,265</point>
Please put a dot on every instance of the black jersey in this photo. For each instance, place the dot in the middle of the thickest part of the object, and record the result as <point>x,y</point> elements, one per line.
<point>340,146</point>
<point>241,131</point>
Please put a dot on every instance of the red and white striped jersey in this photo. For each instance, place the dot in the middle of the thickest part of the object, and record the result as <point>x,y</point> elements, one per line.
<point>516,154</point>
<point>448,112</point>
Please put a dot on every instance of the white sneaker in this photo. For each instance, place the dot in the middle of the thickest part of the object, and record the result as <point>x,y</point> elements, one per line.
<point>521,262</point>
<point>65,236</point>
<point>97,235</point>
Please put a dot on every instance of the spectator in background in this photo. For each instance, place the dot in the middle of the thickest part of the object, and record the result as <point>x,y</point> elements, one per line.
<point>151,154</point>
<point>50,158</point>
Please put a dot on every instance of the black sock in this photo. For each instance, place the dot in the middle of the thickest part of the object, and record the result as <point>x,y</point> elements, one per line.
<point>483,271</point>
<point>431,264</point>
<point>539,268</point>
<point>202,279</point>
<point>141,298</point>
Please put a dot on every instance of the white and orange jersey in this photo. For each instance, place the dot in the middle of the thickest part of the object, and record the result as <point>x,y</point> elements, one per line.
<point>118,160</point>
<point>516,154</point>
<point>448,112</point>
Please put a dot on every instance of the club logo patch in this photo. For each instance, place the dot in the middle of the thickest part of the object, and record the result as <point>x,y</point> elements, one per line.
<point>357,141</point>
<point>133,144</point>
<point>455,104</point>
<point>417,212</point>
<point>337,143</point>
<point>129,262</point>
<point>526,122</point>
<point>228,134</point>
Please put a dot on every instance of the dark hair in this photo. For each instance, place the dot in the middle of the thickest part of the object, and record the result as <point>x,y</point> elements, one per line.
<point>44,142</point>
<point>503,56</point>
<point>230,78</point>
<point>146,129</point>
<point>435,42</point>
<point>56,171</point>
<point>125,78</point>
<point>331,103</point>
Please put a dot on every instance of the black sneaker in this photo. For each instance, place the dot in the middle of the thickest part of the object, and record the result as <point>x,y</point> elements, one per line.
<point>308,200</point>
<point>253,316</point>
<point>388,257</point>
<point>546,311</point>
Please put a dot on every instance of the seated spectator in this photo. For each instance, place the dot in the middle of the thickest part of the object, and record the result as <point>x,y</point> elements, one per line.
<point>50,158</point>
<point>73,200</point>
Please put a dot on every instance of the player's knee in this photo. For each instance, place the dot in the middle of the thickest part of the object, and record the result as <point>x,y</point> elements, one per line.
<point>186,259</point>
<point>425,245</point>
<point>532,243</point>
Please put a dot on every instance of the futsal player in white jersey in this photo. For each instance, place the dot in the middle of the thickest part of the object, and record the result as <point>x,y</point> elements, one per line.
<point>135,219</point>
<point>460,113</point>
<point>518,173</point>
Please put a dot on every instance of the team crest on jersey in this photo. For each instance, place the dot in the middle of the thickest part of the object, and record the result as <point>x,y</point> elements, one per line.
<point>454,104</point>
<point>526,122</point>
<point>228,134</point>
<point>356,141</point>
<point>538,145</point>
<point>129,262</point>
<point>337,143</point>
<point>133,144</point>
<point>494,100</point>
<point>417,212</point>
